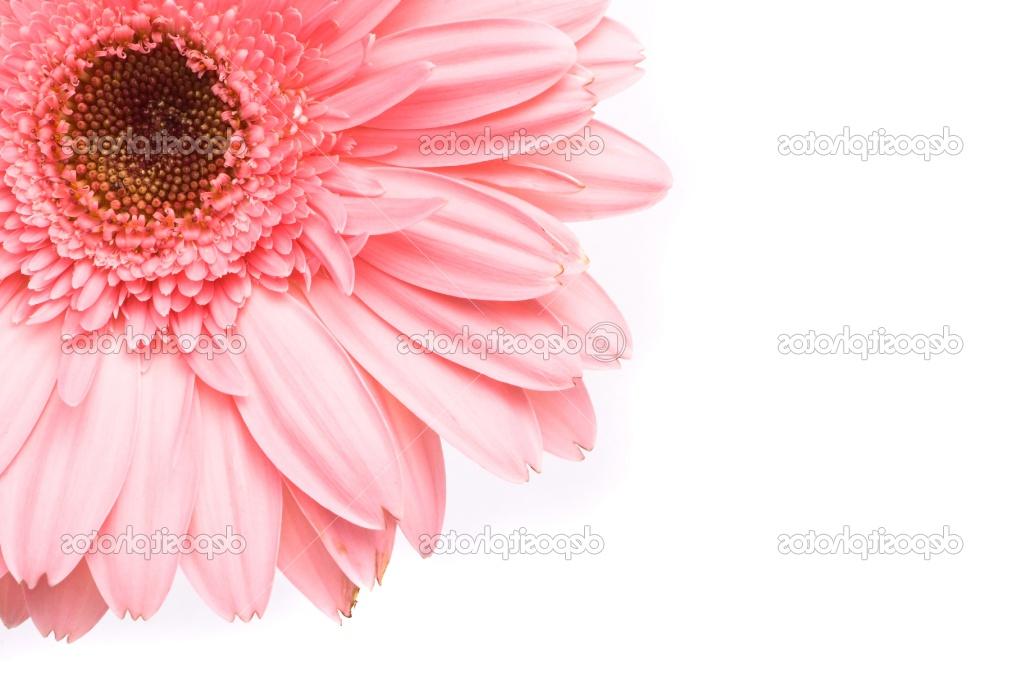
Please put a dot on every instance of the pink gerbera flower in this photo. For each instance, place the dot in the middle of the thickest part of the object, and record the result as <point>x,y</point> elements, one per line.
<point>300,197</point>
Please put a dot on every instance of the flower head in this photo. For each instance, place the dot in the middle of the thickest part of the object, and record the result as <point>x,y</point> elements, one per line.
<point>258,258</point>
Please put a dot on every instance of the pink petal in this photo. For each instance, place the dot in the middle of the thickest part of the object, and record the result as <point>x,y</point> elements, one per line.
<point>490,422</point>
<point>222,372</point>
<point>481,245</point>
<point>68,610</point>
<point>329,206</point>
<point>423,477</point>
<point>519,176</point>
<point>239,495</point>
<point>584,306</point>
<point>10,264</point>
<point>158,494</point>
<point>574,17</point>
<point>306,563</point>
<point>417,312</point>
<point>373,93</point>
<point>32,355</point>
<point>563,109</point>
<point>625,177</point>
<point>98,315</point>
<point>567,421</point>
<point>313,415</point>
<point>360,553</point>
<point>348,179</point>
<point>77,457</point>
<point>473,78</point>
<point>356,18</point>
<point>324,74</point>
<point>13,608</point>
<point>75,376</point>
<point>331,250</point>
<point>381,215</point>
<point>611,53</point>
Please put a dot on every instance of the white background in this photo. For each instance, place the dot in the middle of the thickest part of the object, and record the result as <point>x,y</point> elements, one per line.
<point>712,443</point>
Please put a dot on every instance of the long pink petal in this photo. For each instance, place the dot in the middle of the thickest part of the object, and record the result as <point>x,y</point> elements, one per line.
<point>240,495</point>
<point>521,175</point>
<point>574,17</point>
<point>221,371</point>
<point>158,495</point>
<point>473,78</point>
<point>66,478</point>
<point>423,476</point>
<point>473,327</point>
<point>371,94</point>
<point>347,179</point>
<point>567,421</point>
<point>30,360</point>
<point>586,308</point>
<point>624,177</point>
<point>488,421</point>
<point>313,415</point>
<point>306,563</point>
<point>562,110</point>
<point>611,53</point>
<point>482,245</point>
<point>360,552</point>
<point>75,376</point>
<point>381,215</point>
<point>324,243</point>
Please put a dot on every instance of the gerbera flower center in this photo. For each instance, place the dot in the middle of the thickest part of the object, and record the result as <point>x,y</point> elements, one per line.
<point>155,160</point>
<point>148,133</point>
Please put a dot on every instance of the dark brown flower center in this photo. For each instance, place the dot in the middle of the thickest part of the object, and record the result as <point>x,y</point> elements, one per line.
<point>147,135</point>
